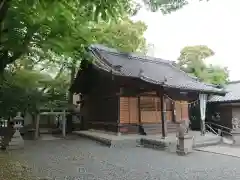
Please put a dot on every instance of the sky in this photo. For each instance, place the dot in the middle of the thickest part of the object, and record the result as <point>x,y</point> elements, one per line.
<point>215,24</point>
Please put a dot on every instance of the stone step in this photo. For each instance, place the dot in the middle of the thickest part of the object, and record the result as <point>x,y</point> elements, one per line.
<point>125,143</point>
<point>210,142</point>
<point>153,144</point>
<point>112,143</point>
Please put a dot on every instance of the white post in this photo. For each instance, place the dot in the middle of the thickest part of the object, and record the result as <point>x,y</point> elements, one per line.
<point>64,124</point>
<point>27,119</point>
<point>203,102</point>
<point>37,126</point>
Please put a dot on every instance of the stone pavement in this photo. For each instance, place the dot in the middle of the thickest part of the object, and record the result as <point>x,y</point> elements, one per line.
<point>222,149</point>
<point>79,158</point>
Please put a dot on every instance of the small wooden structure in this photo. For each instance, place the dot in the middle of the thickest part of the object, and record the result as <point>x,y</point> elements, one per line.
<point>131,94</point>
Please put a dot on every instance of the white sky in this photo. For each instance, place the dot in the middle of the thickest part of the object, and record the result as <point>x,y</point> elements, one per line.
<point>215,23</point>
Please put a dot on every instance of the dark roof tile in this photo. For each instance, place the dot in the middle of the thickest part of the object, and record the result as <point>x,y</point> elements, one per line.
<point>233,93</point>
<point>152,70</point>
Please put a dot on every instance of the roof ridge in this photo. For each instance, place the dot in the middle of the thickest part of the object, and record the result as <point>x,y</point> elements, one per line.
<point>135,56</point>
<point>188,75</point>
<point>148,59</point>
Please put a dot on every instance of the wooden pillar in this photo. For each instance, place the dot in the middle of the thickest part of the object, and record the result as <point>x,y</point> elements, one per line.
<point>118,112</point>
<point>173,112</point>
<point>139,111</point>
<point>37,126</point>
<point>163,114</point>
<point>64,124</point>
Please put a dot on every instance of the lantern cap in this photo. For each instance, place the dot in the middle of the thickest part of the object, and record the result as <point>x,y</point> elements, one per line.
<point>18,117</point>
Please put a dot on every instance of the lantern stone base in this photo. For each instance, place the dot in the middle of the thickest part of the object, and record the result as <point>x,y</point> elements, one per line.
<point>16,142</point>
<point>185,145</point>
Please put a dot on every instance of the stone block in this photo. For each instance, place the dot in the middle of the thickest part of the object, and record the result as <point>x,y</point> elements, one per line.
<point>236,138</point>
<point>172,147</point>
<point>185,145</point>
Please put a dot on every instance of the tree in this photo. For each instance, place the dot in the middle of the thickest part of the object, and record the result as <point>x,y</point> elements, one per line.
<point>42,78</point>
<point>217,75</point>
<point>24,88</point>
<point>48,33</point>
<point>125,35</point>
<point>61,26</point>
<point>192,59</point>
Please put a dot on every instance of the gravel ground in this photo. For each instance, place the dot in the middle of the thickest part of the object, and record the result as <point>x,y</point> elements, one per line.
<point>12,169</point>
<point>78,158</point>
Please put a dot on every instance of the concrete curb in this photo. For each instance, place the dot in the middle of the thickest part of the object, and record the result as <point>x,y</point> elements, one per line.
<point>111,143</point>
<point>102,141</point>
<point>199,145</point>
<point>223,154</point>
<point>142,142</point>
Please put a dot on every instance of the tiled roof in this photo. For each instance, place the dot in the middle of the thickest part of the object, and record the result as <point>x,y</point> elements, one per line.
<point>233,93</point>
<point>149,69</point>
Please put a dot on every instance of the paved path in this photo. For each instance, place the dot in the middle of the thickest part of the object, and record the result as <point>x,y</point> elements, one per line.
<point>84,159</point>
<point>222,149</point>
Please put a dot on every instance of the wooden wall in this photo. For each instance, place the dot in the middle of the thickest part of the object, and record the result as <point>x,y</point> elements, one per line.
<point>151,119</point>
<point>101,113</point>
<point>100,104</point>
<point>226,116</point>
<point>181,111</point>
<point>129,118</point>
<point>224,110</point>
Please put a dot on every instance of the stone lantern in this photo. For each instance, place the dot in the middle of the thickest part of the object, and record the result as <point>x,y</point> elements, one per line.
<point>17,140</point>
<point>18,121</point>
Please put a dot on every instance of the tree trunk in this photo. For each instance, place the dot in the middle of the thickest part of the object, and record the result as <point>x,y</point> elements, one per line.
<point>70,95</point>
<point>4,6</point>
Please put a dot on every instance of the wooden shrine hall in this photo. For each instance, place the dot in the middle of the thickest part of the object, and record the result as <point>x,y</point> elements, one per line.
<point>132,94</point>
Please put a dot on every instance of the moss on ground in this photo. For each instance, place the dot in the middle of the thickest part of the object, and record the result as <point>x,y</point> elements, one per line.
<point>13,169</point>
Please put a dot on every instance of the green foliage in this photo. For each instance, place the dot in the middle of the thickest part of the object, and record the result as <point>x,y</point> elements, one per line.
<point>217,75</point>
<point>25,90</point>
<point>191,60</point>
<point>166,6</point>
<point>43,41</point>
<point>125,35</point>
<point>41,77</point>
<point>60,26</point>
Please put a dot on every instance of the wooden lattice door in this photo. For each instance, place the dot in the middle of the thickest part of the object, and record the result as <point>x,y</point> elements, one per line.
<point>150,108</point>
